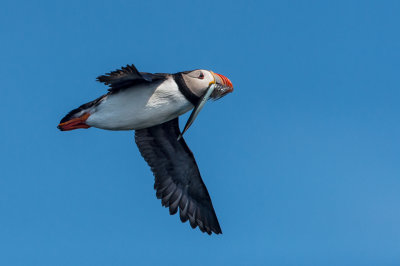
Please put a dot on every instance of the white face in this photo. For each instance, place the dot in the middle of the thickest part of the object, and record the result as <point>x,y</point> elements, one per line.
<point>198,81</point>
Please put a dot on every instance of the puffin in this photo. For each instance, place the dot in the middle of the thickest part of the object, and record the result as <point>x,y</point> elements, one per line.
<point>150,104</point>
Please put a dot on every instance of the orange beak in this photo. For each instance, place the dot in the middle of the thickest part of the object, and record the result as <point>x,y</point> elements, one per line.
<point>222,80</point>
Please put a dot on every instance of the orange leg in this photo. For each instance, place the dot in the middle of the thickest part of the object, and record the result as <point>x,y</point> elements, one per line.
<point>75,123</point>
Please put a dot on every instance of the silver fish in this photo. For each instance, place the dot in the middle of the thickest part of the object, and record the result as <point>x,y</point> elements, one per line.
<point>197,109</point>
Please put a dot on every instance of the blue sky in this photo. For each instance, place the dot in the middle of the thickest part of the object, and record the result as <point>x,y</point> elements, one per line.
<point>301,161</point>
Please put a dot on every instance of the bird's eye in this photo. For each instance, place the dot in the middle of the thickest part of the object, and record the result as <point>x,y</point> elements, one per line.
<point>201,76</point>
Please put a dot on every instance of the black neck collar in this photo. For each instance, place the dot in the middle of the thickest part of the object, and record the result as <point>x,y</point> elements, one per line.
<point>183,88</point>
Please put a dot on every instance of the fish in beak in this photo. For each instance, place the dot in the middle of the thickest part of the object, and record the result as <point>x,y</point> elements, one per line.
<point>223,86</point>
<point>217,89</point>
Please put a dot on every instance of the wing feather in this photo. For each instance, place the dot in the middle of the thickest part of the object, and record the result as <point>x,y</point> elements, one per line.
<point>177,178</point>
<point>127,77</point>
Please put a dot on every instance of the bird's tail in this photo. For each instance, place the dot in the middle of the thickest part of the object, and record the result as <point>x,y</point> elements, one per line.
<point>77,117</point>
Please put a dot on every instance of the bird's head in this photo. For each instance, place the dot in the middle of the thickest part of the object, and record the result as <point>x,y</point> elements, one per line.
<point>204,84</point>
<point>199,80</point>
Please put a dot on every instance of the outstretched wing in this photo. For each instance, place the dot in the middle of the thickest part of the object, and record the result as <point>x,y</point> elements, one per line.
<point>127,77</point>
<point>177,178</point>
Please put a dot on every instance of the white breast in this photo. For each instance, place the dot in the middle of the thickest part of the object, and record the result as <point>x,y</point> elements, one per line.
<point>140,107</point>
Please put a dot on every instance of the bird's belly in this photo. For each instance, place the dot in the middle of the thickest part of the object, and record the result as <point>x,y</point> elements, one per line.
<point>138,108</point>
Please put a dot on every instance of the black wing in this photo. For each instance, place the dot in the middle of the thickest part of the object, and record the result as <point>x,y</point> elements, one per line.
<point>177,178</point>
<point>127,77</point>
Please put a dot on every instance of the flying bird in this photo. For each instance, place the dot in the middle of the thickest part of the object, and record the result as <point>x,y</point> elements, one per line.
<point>150,104</point>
